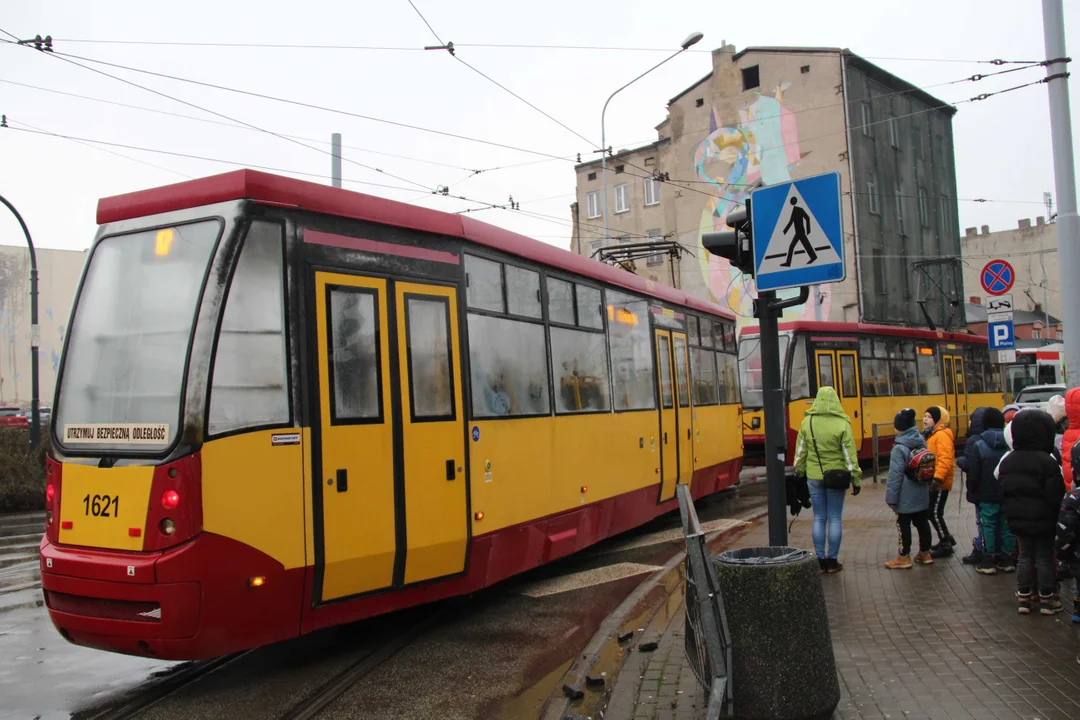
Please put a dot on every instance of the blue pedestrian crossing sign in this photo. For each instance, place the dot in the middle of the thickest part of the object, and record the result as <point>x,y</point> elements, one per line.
<point>798,233</point>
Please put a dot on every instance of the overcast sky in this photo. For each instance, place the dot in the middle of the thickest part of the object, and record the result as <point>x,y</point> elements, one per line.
<point>1003,143</point>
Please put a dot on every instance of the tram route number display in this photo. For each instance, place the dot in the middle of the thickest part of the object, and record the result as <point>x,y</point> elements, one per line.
<point>117,433</point>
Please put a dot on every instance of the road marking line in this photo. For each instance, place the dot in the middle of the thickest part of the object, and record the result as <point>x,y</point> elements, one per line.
<point>586,578</point>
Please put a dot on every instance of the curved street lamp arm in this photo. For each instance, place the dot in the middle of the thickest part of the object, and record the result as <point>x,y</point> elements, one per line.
<point>35,417</point>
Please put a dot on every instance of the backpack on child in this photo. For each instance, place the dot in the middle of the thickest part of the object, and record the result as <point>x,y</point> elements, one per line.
<point>920,467</point>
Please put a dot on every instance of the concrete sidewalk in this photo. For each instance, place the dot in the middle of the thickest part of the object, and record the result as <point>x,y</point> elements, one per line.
<point>937,641</point>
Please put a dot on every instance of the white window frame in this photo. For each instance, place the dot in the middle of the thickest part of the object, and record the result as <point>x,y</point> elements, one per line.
<point>872,191</point>
<point>592,201</point>
<point>924,208</point>
<point>1036,334</point>
<point>622,198</point>
<point>594,246</point>
<point>867,119</point>
<point>894,132</point>
<point>652,192</point>
<point>658,258</point>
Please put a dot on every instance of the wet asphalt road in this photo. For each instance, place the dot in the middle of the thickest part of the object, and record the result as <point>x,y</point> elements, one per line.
<point>498,654</point>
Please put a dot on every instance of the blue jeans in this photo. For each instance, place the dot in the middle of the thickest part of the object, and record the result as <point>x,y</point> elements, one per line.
<point>828,507</point>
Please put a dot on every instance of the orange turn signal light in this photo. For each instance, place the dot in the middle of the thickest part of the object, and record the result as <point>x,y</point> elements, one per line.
<point>584,488</point>
<point>479,515</point>
<point>257,581</point>
<point>657,471</point>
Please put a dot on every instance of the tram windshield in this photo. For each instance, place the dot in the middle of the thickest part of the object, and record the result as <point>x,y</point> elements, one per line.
<point>750,368</point>
<point>128,343</point>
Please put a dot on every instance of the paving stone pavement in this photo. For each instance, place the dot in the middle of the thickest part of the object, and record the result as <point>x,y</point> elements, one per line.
<point>934,642</point>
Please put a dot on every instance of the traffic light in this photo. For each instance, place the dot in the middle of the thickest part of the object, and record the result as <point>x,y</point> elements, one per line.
<point>736,245</point>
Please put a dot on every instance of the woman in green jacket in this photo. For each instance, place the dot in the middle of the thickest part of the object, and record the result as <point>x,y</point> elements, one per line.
<point>826,443</point>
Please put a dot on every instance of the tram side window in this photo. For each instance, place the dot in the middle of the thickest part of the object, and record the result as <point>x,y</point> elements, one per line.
<point>903,367</point>
<point>929,370</point>
<point>523,292</point>
<point>354,347</point>
<point>706,333</point>
<point>728,370</point>
<point>703,374</point>
<point>560,301</point>
<point>508,364</point>
<point>431,377</point>
<point>588,307</point>
<point>483,284</point>
<point>631,352</point>
<point>250,387</point>
<point>799,378</point>
<point>579,361</point>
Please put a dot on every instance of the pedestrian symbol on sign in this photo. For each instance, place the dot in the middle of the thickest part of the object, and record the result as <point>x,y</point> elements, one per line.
<point>801,221</point>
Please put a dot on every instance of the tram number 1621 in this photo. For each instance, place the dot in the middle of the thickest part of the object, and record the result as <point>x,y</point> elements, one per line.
<point>100,505</point>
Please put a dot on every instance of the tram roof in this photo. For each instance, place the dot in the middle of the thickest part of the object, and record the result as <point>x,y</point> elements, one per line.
<point>871,329</point>
<point>282,191</point>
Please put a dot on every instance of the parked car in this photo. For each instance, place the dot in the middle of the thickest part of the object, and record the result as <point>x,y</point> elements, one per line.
<point>12,417</point>
<point>1038,396</point>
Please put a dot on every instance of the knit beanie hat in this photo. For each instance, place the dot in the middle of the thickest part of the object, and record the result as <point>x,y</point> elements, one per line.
<point>1009,411</point>
<point>993,419</point>
<point>904,419</point>
<point>935,412</point>
<point>1057,408</point>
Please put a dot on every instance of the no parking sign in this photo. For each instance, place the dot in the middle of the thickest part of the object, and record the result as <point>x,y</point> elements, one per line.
<point>997,277</point>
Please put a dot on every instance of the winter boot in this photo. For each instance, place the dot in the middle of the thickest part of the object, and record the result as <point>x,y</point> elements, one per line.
<point>974,558</point>
<point>900,562</point>
<point>1049,604</point>
<point>1076,609</point>
<point>924,558</point>
<point>942,551</point>
<point>1024,600</point>
<point>987,566</point>
<point>951,540</point>
<point>1006,563</point>
<point>834,566</point>
<point>823,565</point>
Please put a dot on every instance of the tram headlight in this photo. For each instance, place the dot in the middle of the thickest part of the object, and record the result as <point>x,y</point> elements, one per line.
<point>168,527</point>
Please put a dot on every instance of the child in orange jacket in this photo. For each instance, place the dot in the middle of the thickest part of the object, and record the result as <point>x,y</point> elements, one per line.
<point>939,440</point>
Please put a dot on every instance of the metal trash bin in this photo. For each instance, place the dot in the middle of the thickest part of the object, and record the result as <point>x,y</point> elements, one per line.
<point>782,662</point>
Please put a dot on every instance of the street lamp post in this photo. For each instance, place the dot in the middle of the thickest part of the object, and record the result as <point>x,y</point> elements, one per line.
<point>687,43</point>
<point>35,418</point>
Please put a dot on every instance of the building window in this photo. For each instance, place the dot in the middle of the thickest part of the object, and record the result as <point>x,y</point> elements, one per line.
<point>924,208</point>
<point>804,69</point>
<point>594,203</point>
<point>871,192</point>
<point>1036,334</point>
<point>867,120</point>
<point>652,191</point>
<point>894,132</point>
<point>594,247</point>
<point>900,207</point>
<point>751,78</point>
<point>619,169</point>
<point>650,161</point>
<point>622,198</point>
<point>879,270</point>
<point>657,258</point>
<point>592,176</point>
<point>1060,335</point>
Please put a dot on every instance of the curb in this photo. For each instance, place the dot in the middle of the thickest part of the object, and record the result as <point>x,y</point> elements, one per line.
<point>558,706</point>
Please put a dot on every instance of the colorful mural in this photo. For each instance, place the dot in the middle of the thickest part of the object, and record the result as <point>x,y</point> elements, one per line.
<point>763,145</point>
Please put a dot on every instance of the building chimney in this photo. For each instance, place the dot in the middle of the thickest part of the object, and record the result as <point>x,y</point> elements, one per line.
<point>971,232</point>
<point>975,300</point>
<point>985,229</point>
<point>1025,223</point>
<point>1040,221</point>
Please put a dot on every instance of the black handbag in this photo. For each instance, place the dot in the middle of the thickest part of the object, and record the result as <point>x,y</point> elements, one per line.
<point>832,479</point>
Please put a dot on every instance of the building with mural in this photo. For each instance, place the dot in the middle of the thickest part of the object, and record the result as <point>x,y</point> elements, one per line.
<point>58,278</point>
<point>770,115</point>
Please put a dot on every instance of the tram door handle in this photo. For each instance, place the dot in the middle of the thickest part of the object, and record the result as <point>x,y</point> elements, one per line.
<point>665,438</point>
<point>450,474</point>
<point>342,480</point>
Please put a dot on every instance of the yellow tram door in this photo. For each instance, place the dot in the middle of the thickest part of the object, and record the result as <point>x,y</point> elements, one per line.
<point>433,434</point>
<point>956,401</point>
<point>357,545</point>
<point>850,392</point>
<point>668,440</point>
<point>685,422</point>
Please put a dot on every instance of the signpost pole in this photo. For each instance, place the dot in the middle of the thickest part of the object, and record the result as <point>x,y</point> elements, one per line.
<point>773,406</point>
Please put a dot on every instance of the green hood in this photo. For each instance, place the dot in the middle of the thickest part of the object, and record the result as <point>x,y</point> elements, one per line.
<point>827,403</point>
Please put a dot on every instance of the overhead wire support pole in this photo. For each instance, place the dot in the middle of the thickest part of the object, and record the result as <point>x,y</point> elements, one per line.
<point>689,41</point>
<point>35,332</point>
<point>1068,231</point>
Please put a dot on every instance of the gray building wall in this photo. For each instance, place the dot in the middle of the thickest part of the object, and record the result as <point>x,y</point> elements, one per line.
<point>905,197</point>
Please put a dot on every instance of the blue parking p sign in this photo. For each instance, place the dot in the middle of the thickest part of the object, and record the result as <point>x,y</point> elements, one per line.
<point>1001,335</point>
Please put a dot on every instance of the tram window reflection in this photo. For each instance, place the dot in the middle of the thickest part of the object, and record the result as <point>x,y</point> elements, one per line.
<point>355,349</point>
<point>508,366</point>
<point>631,352</point>
<point>800,376</point>
<point>431,381</point>
<point>523,292</point>
<point>483,284</point>
<point>580,365</point>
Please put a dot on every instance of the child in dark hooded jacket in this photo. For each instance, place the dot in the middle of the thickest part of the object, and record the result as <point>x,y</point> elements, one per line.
<point>984,490</point>
<point>975,429</point>
<point>1067,545</point>
<point>1032,487</point>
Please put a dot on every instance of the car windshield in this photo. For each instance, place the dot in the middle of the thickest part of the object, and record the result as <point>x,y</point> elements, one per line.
<point>750,368</point>
<point>124,363</point>
<point>1032,395</point>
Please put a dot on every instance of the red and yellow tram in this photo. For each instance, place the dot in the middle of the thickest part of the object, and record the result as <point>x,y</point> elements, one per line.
<point>877,370</point>
<point>283,406</point>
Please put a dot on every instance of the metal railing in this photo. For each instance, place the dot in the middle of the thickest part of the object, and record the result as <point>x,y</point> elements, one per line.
<point>958,423</point>
<point>708,642</point>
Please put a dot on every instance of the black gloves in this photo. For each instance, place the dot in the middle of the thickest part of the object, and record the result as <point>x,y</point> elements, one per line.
<point>855,490</point>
